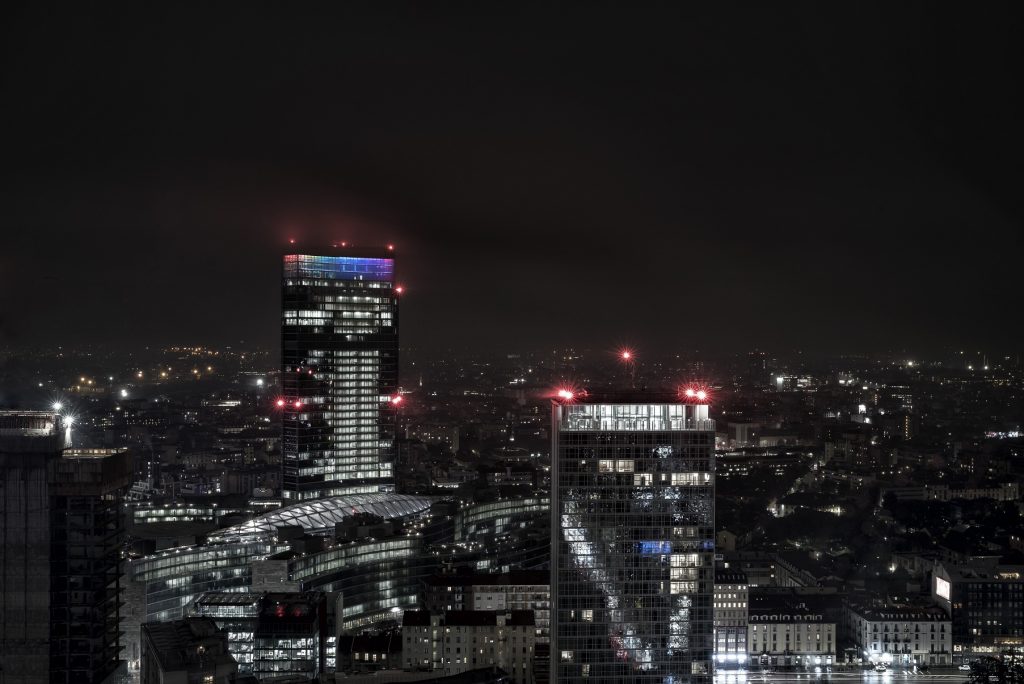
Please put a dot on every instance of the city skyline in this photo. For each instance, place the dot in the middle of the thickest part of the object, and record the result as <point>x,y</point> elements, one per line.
<point>709,366</point>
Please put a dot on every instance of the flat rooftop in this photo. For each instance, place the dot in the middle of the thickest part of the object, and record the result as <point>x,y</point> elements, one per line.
<point>29,423</point>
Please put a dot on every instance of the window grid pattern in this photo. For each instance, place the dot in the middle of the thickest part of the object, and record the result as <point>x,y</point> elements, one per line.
<point>339,373</point>
<point>633,563</point>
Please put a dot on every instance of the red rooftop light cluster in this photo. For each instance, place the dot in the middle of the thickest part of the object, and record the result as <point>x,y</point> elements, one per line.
<point>281,403</point>
<point>697,394</point>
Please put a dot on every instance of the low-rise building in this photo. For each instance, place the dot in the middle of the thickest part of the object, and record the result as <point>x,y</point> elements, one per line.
<point>457,641</point>
<point>730,611</point>
<point>521,590</point>
<point>272,633</point>
<point>189,651</point>
<point>369,652</point>
<point>900,635</point>
<point>985,601</point>
<point>789,632</point>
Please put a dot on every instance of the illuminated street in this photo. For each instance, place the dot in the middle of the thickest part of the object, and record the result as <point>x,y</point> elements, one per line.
<point>945,675</point>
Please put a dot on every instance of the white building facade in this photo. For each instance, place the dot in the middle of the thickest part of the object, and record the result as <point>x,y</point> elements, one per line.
<point>790,635</point>
<point>730,611</point>
<point>902,636</point>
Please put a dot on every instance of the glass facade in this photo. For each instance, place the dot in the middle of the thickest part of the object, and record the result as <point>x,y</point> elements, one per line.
<point>271,634</point>
<point>172,579</point>
<point>499,517</point>
<point>375,579</point>
<point>633,541</point>
<point>339,347</point>
<point>321,516</point>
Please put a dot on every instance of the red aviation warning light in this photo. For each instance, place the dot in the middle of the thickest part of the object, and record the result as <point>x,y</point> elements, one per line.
<point>628,359</point>
<point>280,403</point>
<point>399,289</point>
<point>397,399</point>
<point>566,395</point>
<point>298,404</point>
<point>697,394</point>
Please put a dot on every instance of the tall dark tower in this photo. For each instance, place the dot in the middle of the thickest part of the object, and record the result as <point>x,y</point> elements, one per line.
<point>339,367</point>
<point>60,561</point>
<point>633,543</point>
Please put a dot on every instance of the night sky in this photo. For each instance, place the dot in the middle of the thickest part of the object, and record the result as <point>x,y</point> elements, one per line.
<point>784,175</point>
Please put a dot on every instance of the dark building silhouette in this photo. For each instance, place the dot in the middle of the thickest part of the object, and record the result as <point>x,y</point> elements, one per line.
<point>60,587</point>
<point>188,651</point>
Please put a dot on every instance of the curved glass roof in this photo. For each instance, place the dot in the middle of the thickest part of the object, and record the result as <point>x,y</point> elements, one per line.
<point>320,515</point>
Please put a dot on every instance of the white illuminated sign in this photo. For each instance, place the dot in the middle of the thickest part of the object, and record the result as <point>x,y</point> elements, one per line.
<point>942,588</point>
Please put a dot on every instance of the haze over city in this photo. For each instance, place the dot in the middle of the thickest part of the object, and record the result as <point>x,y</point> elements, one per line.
<point>817,177</point>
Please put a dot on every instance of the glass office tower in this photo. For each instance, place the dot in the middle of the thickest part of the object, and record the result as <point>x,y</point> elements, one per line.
<point>632,539</point>
<point>339,353</point>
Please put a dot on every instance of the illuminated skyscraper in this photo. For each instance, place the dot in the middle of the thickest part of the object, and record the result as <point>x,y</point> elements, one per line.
<point>632,538</point>
<point>339,353</point>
